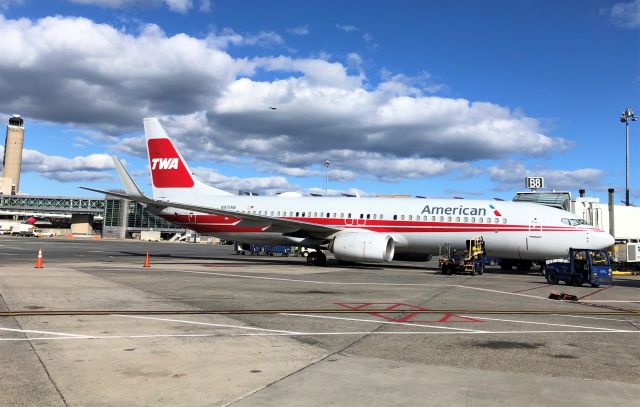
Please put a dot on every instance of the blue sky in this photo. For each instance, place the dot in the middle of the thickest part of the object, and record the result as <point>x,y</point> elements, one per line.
<point>456,98</point>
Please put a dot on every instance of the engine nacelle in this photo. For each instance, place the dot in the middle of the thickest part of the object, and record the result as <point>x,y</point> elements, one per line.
<point>363,246</point>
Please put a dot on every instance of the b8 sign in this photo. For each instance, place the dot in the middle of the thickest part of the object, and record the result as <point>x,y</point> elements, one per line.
<point>534,182</point>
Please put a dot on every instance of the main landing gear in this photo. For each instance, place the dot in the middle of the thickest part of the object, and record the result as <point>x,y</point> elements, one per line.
<point>316,258</point>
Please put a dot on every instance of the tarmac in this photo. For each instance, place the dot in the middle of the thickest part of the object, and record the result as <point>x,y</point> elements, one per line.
<point>205,327</point>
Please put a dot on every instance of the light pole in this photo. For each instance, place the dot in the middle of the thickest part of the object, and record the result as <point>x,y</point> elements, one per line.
<point>624,118</point>
<point>326,180</point>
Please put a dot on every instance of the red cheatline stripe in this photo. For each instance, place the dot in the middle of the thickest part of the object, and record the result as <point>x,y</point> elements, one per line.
<point>214,223</point>
<point>594,292</point>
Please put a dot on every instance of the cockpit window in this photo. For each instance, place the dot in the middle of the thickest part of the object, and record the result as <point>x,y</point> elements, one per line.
<point>575,222</point>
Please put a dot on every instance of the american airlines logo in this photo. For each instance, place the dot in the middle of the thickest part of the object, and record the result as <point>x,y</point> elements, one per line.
<point>461,210</point>
<point>164,164</point>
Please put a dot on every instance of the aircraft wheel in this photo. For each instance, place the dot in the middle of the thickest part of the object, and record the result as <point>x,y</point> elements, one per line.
<point>322,259</point>
<point>595,285</point>
<point>552,277</point>
<point>481,269</point>
<point>316,259</point>
<point>312,258</point>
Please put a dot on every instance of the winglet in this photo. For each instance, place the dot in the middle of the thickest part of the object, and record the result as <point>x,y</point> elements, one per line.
<point>129,185</point>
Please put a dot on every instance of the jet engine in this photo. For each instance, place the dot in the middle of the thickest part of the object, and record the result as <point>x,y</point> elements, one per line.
<point>363,246</point>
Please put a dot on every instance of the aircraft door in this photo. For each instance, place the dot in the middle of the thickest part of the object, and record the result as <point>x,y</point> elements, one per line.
<point>535,229</point>
<point>535,243</point>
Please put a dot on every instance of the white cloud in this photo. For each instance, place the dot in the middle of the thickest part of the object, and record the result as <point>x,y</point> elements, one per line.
<point>261,185</point>
<point>5,4</point>
<point>179,6</point>
<point>228,36</point>
<point>205,6</point>
<point>93,167</point>
<point>346,28</point>
<point>511,174</point>
<point>625,15</point>
<point>93,76</point>
<point>299,30</point>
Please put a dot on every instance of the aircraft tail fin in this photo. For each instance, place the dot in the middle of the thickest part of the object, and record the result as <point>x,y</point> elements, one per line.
<point>171,177</point>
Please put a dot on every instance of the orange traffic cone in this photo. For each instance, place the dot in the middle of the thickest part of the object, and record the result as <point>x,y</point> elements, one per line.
<point>146,260</point>
<point>39,260</point>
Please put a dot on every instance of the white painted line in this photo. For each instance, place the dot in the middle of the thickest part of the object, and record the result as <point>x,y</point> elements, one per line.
<point>313,281</point>
<point>382,322</point>
<point>622,301</point>
<point>40,332</point>
<point>208,324</point>
<point>363,283</point>
<point>503,292</point>
<point>540,323</point>
<point>585,317</point>
<point>418,333</point>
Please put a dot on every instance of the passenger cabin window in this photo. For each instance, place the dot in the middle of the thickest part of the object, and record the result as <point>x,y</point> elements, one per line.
<point>349,215</point>
<point>441,218</point>
<point>457,218</point>
<point>395,217</point>
<point>504,220</point>
<point>361,216</point>
<point>368,216</point>
<point>448,218</point>
<point>410,217</point>
<point>297,214</point>
<point>480,220</point>
<point>401,217</point>
<point>328,214</point>
<point>488,220</point>
<point>466,219</point>
<point>497,220</point>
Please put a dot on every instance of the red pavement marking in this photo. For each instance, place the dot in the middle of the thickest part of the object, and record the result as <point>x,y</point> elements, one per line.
<point>594,292</point>
<point>408,317</point>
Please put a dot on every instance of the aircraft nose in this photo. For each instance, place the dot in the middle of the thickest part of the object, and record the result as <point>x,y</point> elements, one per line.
<point>603,240</point>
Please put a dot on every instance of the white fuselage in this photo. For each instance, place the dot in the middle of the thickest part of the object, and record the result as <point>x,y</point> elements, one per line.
<point>514,230</point>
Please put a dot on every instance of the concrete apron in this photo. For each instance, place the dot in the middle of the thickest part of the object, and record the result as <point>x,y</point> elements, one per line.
<point>169,370</point>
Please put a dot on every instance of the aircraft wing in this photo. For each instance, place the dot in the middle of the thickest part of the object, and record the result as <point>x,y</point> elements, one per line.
<point>269,224</point>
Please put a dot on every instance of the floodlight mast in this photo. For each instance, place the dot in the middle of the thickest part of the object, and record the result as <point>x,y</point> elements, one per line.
<point>625,117</point>
<point>326,180</point>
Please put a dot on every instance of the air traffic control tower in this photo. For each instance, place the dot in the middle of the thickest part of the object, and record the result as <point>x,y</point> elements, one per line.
<point>10,181</point>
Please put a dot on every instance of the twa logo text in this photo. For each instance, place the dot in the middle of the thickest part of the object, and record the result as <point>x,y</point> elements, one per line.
<point>164,163</point>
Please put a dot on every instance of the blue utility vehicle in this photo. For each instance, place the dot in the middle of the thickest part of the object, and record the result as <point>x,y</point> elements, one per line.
<point>584,266</point>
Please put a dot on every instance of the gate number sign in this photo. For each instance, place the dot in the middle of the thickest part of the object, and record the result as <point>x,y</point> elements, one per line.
<point>534,182</point>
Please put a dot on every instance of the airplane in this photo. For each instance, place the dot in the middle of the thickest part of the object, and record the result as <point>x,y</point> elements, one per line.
<point>360,229</point>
